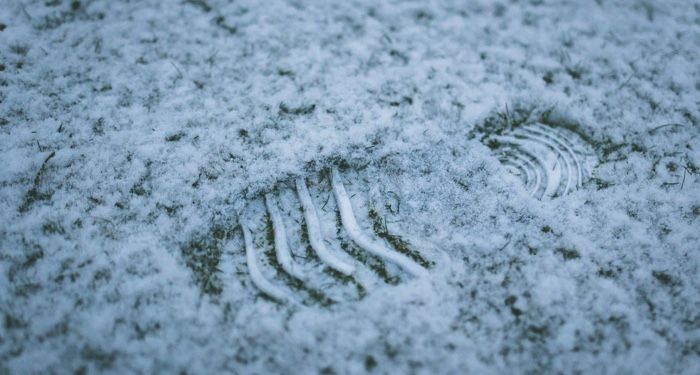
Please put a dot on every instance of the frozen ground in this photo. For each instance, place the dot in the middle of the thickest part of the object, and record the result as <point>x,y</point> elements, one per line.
<point>136,135</point>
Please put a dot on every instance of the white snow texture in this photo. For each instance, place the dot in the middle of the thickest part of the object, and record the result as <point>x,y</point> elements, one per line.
<point>527,170</point>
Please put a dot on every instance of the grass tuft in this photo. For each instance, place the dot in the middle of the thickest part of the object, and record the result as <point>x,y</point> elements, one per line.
<point>665,279</point>
<point>202,255</point>
<point>380,228</point>
<point>285,109</point>
<point>568,254</point>
<point>34,194</point>
<point>371,261</point>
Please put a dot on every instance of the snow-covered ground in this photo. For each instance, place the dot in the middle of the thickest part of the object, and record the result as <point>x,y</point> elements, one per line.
<point>136,137</point>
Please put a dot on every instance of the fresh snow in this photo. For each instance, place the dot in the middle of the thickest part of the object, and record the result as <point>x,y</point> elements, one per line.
<point>137,136</point>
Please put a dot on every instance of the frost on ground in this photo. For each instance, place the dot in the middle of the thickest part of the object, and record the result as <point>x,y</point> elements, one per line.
<point>135,137</point>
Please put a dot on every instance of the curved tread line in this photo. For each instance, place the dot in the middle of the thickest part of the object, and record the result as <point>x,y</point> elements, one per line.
<point>513,152</point>
<point>551,185</point>
<point>563,157</point>
<point>557,136</point>
<point>313,228</point>
<point>545,181</point>
<point>256,275</point>
<point>510,155</point>
<point>566,136</point>
<point>536,138</point>
<point>524,164</point>
<point>284,256</point>
<point>360,238</point>
<point>537,185</point>
<point>518,169</point>
<point>569,156</point>
<point>515,169</point>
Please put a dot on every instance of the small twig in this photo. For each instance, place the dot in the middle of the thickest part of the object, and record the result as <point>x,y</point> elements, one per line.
<point>178,70</point>
<point>508,117</point>
<point>504,246</point>
<point>24,10</point>
<point>220,21</point>
<point>625,83</point>
<point>654,130</point>
<point>326,202</point>
<point>201,4</point>
<point>685,170</point>
<point>398,203</point>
